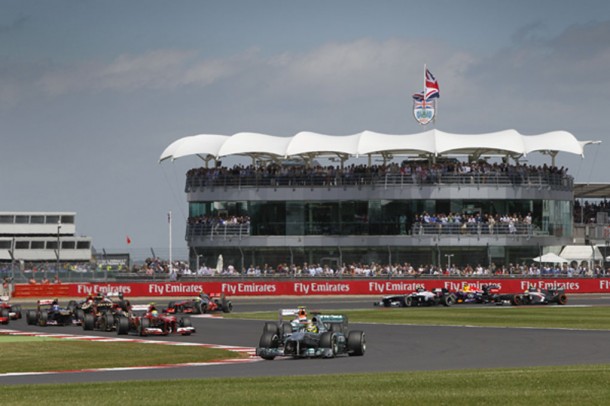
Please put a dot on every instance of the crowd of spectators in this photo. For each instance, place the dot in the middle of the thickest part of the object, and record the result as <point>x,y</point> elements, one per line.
<point>417,172</point>
<point>586,213</point>
<point>491,223</point>
<point>218,220</point>
<point>408,270</point>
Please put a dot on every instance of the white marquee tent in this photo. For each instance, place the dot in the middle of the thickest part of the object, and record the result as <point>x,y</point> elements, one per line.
<point>433,142</point>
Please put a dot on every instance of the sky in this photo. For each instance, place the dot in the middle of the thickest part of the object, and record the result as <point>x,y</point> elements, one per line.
<point>92,92</point>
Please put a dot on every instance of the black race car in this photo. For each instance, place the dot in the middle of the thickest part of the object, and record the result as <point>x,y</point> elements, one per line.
<point>49,313</point>
<point>421,297</point>
<point>533,296</point>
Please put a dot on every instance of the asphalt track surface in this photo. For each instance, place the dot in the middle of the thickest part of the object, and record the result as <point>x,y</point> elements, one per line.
<point>390,348</point>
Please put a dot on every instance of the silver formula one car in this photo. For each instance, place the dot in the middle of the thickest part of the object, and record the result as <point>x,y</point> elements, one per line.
<point>322,336</point>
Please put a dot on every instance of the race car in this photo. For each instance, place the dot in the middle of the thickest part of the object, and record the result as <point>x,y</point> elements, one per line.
<point>49,313</point>
<point>100,300</point>
<point>8,311</point>
<point>322,336</point>
<point>421,297</point>
<point>107,314</point>
<point>533,296</point>
<point>204,303</point>
<point>469,294</point>
<point>146,320</point>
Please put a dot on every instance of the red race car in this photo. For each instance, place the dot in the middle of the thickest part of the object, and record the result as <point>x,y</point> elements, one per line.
<point>146,320</point>
<point>8,311</point>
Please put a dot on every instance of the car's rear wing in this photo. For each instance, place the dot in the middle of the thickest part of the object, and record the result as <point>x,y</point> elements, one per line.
<point>332,318</point>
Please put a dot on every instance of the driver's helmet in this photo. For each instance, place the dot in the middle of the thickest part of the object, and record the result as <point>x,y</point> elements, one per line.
<point>302,314</point>
<point>312,327</point>
<point>419,290</point>
<point>154,313</point>
<point>151,307</point>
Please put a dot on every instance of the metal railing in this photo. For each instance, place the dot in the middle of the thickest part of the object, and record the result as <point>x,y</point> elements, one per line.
<point>217,230</point>
<point>517,179</point>
<point>476,229</point>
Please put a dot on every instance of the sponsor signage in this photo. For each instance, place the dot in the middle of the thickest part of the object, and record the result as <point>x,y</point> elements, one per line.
<point>308,287</point>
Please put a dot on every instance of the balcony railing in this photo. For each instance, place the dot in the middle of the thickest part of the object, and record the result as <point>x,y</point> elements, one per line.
<point>217,230</point>
<point>532,180</point>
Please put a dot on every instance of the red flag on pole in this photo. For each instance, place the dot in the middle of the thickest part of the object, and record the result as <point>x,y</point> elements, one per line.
<point>128,240</point>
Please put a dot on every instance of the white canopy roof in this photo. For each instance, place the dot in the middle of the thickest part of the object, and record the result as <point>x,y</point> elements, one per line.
<point>581,253</point>
<point>433,142</point>
<point>551,258</point>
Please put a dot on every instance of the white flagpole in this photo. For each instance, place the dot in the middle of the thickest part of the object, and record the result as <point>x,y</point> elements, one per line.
<point>169,221</point>
<point>425,92</point>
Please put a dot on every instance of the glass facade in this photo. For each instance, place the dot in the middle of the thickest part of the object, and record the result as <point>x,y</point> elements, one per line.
<point>378,217</point>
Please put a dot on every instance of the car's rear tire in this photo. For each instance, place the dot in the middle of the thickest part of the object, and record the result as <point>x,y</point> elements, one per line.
<point>122,325</point>
<point>31,317</point>
<point>88,322</point>
<point>144,324</point>
<point>286,329</point>
<point>516,300</point>
<point>17,310</point>
<point>227,306</point>
<point>562,299</point>
<point>108,321</point>
<point>186,322</point>
<point>271,327</point>
<point>43,319</point>
<point>79,314</point>
<point>356,343</point>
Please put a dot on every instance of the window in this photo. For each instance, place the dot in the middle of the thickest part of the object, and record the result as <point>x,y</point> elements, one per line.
<point>6,219</point>
<point>67,219</point>
<point>52,219</point>
<point>68,245</point>
<point>83,245</point>
<point>22,245</point>
<point>37,245</point>
<point>37,220</point>
<point>21,219</point>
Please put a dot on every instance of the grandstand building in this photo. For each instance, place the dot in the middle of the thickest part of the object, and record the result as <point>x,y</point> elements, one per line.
<point>430,198</point>
<point>42,237</point>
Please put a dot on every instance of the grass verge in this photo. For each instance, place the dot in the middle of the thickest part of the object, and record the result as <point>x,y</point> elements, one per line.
<point>524,316</point>
<point>539,386</point>
<point>39,354</point>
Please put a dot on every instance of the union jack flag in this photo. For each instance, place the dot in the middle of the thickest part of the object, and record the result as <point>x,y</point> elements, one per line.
<point>431,89</point>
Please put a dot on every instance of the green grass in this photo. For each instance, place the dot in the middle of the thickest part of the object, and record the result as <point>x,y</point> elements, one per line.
<point>524,316</point>
<point>537,386</point>
<point>38,354</point>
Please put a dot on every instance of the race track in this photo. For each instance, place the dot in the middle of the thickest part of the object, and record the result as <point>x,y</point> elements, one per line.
<point>389,347</point>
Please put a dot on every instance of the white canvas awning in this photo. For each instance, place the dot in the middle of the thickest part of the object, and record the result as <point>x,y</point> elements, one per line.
<point>581,253</point>
<point>432,142</point>
<point>551,258</point>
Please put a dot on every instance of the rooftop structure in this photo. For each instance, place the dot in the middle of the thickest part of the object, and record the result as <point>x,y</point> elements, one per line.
<point>422,205</point>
